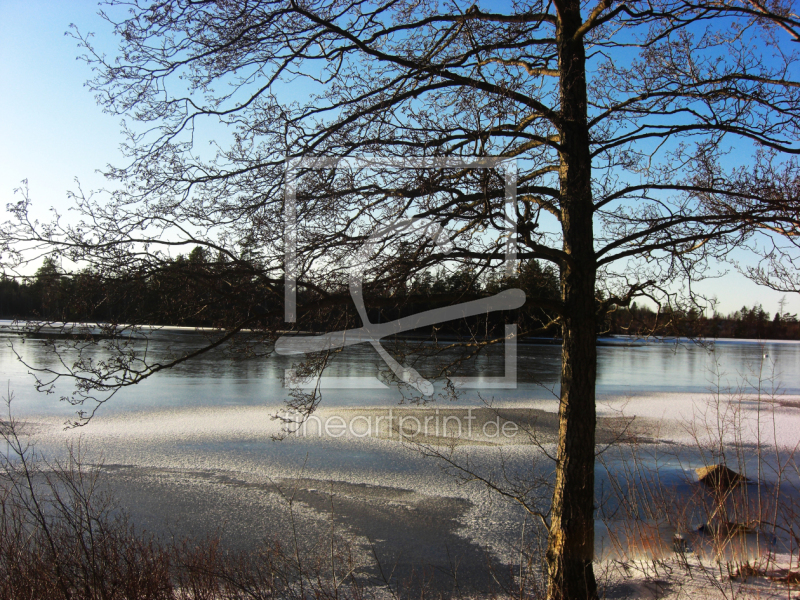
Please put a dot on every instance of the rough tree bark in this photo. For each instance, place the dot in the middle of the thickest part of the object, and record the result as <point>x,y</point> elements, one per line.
<point>571,543</point>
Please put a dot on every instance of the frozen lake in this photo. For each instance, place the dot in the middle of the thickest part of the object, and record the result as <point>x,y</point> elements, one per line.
<point>191,451</point>
<point>216,379</point>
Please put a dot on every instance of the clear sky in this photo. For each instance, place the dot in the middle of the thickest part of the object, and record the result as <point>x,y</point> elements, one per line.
<point>52,131</point>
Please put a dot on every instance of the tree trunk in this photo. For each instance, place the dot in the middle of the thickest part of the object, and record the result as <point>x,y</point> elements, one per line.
<point>571,544</point>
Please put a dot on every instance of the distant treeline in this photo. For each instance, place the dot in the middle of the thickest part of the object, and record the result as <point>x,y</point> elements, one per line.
<point>745,323</point>
<point>198,290</point>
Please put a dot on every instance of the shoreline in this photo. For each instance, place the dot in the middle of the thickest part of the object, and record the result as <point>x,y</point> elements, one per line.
<point>50,328</point>
<point>201,471</point>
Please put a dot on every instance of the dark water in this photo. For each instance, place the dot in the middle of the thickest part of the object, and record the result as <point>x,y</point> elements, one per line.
<point>221,378</point>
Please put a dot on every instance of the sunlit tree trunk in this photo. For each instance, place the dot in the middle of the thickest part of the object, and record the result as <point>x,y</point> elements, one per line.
<point>571,543</point>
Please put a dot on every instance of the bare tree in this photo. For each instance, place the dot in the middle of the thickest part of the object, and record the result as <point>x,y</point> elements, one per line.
<point>634,125</point>
<point>778,246</point>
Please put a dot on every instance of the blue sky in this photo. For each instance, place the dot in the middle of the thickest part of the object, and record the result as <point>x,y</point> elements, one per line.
<point>52,131</point>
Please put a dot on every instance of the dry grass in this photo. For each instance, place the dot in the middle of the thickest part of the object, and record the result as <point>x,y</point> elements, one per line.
<point>63,538</point>
<point>728,521</point>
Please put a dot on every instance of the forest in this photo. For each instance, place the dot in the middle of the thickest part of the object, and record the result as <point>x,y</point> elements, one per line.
<point>198,290</point>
